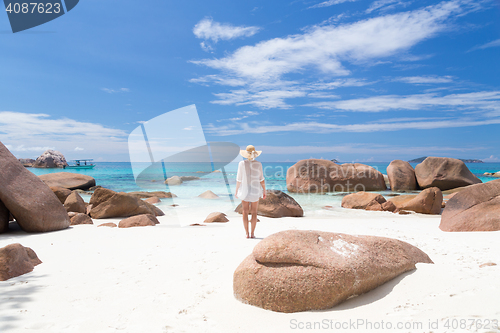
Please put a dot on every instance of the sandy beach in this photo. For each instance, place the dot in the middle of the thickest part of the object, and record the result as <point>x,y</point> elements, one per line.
<point>173,278</point>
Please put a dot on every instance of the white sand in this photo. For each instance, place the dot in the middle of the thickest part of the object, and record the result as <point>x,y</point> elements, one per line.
<point>169,278</point>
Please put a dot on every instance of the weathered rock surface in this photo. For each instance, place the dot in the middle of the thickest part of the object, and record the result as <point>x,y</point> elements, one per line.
<point>107,203</point>
<point>69,180</point>
<point>208,195</point>
<point>75,203</point>
<point>158,194</point>
<point>142,220</point>
<point>360,200</point>
<point>4,218</point>
<point>152,200</point>
<point>27,162</point>
<point>61,193</point>
<point>427,202</point>
<point>216,217</point>
<point>276,204</point>
<point>108,224</point>
<point>174,180</point>
<point>444,173</point>
<point>389,206</point>
<point>294,270</point>
<point>316,176</point>
<point>16,260</point>
<point>50,159</point>
<point>476,208</point>
<point>33,204</point>
<point>81,218</point>
<point>401,176</point>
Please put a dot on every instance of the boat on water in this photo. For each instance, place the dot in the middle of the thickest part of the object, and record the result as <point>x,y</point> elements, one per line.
<point>81,164</point>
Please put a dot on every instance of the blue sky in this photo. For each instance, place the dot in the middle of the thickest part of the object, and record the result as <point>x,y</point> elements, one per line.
<point>345,79</point>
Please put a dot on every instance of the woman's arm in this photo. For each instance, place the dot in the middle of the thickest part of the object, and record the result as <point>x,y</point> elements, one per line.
<point>237,188</point>
<point>263,181</point>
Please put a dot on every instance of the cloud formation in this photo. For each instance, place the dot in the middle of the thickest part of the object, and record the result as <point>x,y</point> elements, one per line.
<point>113,91</point>
<point>212,31</point>
<point>429,79</point>
<point>330,3</point>
<point>262,70</point>
<point>36,132</point>
<point>487,102</point>
<point>495,43</point>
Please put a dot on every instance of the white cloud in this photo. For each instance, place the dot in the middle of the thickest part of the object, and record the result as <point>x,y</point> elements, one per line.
<point>385,5</point>
<point>207,29</point>
<point>317,127</point>
<point>36,132</point>
<point>268,99</point>
<point>485,101</point>
<point>323,50</point>
<point>329,3</point>
<point>492,158</point>
<point>494,43</point>
<point>364,148</point>
<point>113,91</point>
<point>79,149</point>
<point>22,148</point>
<point>206,47</point>
<point>226,81</point>
<point>426,79</point>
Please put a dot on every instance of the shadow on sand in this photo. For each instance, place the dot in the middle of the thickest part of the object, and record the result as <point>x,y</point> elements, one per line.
<point>369,297</point>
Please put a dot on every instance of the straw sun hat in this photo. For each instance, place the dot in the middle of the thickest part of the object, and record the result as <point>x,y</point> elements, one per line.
<point>250,152</point>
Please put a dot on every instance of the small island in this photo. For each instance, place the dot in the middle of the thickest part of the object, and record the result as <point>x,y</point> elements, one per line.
<point>421,159</point>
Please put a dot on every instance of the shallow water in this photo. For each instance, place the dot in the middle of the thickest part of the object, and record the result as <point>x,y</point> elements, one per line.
<point>118,176</point>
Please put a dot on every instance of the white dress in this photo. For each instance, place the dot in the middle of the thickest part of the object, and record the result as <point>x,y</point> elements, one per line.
<point>250,175</point>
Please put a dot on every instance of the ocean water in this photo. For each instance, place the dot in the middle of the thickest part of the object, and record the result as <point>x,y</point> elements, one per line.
<point>119,176</point>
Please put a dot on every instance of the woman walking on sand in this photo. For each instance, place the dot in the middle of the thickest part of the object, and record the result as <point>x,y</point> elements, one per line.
<point>250,186</point>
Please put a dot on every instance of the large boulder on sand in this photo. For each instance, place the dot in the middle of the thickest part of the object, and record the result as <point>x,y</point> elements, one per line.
<point>294,270</point>
<point>208,195</point>
<point>426,202</point>
<point>276,204</point>
<point>174,180</point>
<point>316,176</point>
<point>367,201</point>
<point>107,203</point>
<point>50,159</point>
<point>476,208</point>
<point>33,204</point>
<point>444,173</point>
<point>360,200</point>
<point>16,260</point>
<point>142,220</point>
<point>61,193</point>
<point>216,217</point>
<point>4,218</point>
<point>401,176</point>
<point>75,203</point>
<point>152,200</point>
<point>81,218</point>
<point>69,180</point>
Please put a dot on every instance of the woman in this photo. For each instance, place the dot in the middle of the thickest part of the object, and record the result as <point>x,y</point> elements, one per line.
<point>250,186</point>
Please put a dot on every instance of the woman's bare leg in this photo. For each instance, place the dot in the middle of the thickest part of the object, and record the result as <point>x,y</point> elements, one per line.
<point>245,205</point>
<point>255,206</point>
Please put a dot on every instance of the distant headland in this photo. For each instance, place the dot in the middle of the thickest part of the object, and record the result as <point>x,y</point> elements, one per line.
<point>421,159</point>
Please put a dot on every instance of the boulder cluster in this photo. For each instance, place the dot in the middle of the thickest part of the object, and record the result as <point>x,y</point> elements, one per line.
<point>276,204</point>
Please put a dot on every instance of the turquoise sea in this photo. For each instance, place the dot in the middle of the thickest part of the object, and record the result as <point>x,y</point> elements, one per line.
<point>119,176</point>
